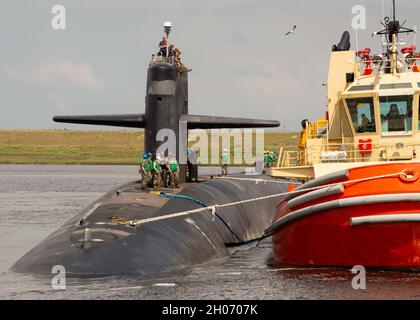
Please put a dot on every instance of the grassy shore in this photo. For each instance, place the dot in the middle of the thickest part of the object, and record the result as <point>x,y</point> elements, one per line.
<point>92,147</point>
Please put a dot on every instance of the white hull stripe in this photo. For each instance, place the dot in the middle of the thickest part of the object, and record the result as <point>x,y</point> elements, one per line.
<point>317,194</point>
<point>388,218</point>
<point>324,180</point>
<point>342,203</point>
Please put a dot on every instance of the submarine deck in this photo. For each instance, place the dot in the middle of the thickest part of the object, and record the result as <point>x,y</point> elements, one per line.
<point>120,209</point>
<point>132,202</point>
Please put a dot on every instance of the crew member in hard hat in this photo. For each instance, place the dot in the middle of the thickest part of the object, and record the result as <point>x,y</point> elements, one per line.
<point>165,171</point>
<point>273,157</point>
<point>192,165</point>
<point>142,170</point>
<point>266,159</point>
<point>174,172</point>
<point>157,172</point>
<point>148,168</point>
<point>225,162</point>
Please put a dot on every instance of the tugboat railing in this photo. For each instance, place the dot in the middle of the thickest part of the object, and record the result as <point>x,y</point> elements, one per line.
<point>346,153</point>
<point>381,65</point>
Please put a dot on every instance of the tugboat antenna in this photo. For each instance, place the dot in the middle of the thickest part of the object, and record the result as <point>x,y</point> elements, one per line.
<point>393,9</point>
<point>383,11</point>
<point>392,27</point>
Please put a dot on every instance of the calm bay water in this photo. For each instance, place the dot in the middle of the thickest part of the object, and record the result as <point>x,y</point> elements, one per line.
<point>36,199</point>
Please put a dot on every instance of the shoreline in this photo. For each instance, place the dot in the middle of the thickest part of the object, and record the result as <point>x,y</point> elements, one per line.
<point>76,147</point>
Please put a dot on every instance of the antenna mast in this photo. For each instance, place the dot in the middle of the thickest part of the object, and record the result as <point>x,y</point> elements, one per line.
<point>393,10</point>
<point>383,11</point>
<point>392,29</point>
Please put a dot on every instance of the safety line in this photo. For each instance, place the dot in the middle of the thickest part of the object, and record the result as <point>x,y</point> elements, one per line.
<point>259,181</point>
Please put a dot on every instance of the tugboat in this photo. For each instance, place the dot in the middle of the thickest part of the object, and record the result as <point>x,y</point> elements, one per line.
<point>360,204</point>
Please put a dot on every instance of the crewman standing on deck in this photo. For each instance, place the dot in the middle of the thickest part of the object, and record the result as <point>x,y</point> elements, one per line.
<point>273,155</point>
<point>269,159</point>
<point>165,171</point>
<point>225,162</point>
<point>142,171</point>
<point>174,172</point>
<point>157,172</point>
<point>192,165</point>
<point>302,142</point>
<point>148,168</point>
<point>266,160</point>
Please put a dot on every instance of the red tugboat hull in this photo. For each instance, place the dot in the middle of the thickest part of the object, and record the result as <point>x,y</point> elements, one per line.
<point>366,216</point>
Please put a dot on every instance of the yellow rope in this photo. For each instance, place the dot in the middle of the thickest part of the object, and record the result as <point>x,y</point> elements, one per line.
<point>122,221</point>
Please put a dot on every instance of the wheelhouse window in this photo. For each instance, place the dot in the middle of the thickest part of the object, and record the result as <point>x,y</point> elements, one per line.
<point>362,114</point>
<point>396,113</point>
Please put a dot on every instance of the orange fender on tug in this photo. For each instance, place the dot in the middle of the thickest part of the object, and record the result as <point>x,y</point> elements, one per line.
<point>366,216</point>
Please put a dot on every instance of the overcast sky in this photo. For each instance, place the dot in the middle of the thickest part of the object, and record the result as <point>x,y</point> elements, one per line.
<point>242,65</point>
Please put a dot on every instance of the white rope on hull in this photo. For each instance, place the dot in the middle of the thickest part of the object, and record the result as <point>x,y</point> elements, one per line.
<point>212,209</point>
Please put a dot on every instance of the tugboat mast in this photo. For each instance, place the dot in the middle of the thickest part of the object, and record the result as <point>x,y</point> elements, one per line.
<point>393,8</point>
<point>392,30</point>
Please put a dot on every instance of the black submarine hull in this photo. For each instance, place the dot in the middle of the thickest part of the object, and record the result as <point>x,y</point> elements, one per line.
<point>93,244</point>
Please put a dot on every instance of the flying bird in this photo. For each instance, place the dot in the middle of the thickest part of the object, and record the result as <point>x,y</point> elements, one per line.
<point>291,31</point>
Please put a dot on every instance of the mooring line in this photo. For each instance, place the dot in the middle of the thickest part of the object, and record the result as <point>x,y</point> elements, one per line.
<point>213,208</point>
<point>259,181</point>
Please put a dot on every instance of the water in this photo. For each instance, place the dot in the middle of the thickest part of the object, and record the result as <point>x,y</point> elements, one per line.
<point>35,200</point>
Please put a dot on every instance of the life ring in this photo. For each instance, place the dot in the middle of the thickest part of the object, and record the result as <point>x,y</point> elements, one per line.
<point>409,175</point>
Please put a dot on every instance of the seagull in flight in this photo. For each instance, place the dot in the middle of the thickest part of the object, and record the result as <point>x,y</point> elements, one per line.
<point>291,31</point>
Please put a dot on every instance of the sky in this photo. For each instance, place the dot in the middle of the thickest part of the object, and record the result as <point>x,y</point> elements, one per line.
<point>242,65</point>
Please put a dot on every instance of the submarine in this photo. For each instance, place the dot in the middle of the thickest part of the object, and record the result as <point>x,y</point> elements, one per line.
<point>131,231</point>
